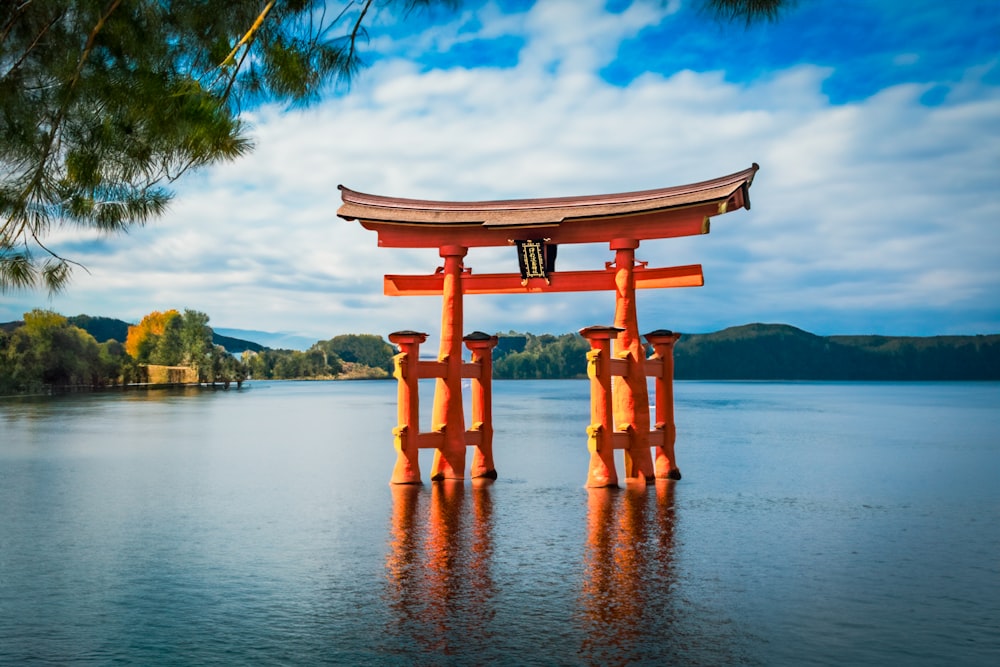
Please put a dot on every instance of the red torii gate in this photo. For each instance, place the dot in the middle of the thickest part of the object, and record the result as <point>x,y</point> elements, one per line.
<point>620,416</point>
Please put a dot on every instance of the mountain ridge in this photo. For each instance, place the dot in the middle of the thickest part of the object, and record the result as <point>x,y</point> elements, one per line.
<point>784,352</point>
<point>755,351</point>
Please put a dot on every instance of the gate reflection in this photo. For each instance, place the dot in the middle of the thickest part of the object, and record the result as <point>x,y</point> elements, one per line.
<point>626,598</point>
<point>439,567</point>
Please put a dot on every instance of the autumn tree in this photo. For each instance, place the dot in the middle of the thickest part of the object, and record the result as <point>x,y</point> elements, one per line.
<point>173,339</point>
<point>144,337</point>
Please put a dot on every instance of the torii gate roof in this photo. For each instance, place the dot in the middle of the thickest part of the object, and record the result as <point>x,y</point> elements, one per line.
<point>681,210</point>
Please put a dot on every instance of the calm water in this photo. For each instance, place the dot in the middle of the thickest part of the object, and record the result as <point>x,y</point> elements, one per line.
<point>847,524</point>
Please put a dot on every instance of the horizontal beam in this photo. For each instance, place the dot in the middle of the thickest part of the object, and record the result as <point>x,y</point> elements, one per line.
<point>435,439</point>
<point>559,281</point>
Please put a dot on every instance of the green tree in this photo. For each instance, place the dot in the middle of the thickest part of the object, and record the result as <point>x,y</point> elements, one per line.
<point>49,353</point>
<point>196,339</point>
<point>224,367</point>
<point>365,349</point>
<point>169,350</point>
<point>544,357</point>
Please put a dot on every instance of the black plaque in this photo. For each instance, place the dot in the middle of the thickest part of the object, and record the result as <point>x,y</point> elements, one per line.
<point>536,259</point>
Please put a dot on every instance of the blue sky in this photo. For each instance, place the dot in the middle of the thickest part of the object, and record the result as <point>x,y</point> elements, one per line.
<point>876,125</point>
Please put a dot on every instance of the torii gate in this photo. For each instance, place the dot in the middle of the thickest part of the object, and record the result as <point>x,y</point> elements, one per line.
<point>620,416</point>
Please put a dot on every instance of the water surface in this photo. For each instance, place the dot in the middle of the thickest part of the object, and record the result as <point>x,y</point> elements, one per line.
<point>817,523</point>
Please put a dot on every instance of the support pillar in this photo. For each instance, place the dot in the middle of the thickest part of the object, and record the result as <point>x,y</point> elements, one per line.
<point>663,341</point>
<point>481,345</point>
<point>602,459</point>
<point>631,398</point>
<point>448,415</point>
<point>407,468</point>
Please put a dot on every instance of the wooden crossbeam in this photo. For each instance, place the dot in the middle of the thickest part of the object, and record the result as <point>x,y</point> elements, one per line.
<point>561,281</point>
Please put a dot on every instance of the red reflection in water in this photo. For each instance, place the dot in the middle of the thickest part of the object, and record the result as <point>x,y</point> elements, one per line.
<point>629,555</point>
<point>438,568</point>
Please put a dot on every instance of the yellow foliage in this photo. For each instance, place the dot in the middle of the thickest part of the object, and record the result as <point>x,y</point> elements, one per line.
<point>153,324</point>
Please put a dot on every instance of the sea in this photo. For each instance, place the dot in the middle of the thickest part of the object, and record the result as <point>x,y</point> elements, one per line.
<point>816,523</point>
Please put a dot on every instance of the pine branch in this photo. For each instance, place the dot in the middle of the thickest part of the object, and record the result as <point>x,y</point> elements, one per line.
<point>249,34</point>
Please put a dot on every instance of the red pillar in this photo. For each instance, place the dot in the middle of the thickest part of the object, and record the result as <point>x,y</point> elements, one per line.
<point>481,345</point>
<point>448,416</point>
<point>631,398</point>
<point>407,468</point>
<point>602,457</point>
<point>663,348</point>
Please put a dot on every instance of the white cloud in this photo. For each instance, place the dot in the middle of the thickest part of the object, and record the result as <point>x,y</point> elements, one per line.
<point>859,210</point>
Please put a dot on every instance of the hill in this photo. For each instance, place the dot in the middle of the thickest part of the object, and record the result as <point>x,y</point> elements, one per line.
<point>107,328</point>
<point>748,352</point>
<point>782,352</point>
<point>236,345</point>
<point>273,341</point>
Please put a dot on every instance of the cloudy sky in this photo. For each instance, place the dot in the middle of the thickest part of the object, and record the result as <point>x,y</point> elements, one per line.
<point>876,124</point>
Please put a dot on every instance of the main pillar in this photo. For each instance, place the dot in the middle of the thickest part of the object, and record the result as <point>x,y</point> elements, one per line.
<point>448,415</point>
<point>631,398</point>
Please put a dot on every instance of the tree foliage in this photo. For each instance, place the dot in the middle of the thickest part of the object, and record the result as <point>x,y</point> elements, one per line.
<point>315,363</point>
<point>103,104</point>
<point>747,11</point>
<point>144,337</point>
<point>171,338</point>
<point>541,357</point>
<point>47,352</point>
<point>365,349</point>
<point>349,355</point>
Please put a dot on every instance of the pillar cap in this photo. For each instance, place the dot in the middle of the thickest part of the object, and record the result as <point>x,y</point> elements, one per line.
<point>479,339</point>
<point>452,251</point>
<point>599,332</point>
<point>624,244</point>
<point>407,336</point>
<point>661,336</point>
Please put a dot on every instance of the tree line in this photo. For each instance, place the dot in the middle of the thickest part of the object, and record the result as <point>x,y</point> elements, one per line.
<point>50,352</point>
<point>773,352</point>
<point>348,355</point>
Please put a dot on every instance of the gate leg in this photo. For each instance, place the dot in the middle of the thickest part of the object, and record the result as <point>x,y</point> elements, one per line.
<point>663,349</point>
<point>602,460</point>
<point>407,468</point>
<point>481,345</point>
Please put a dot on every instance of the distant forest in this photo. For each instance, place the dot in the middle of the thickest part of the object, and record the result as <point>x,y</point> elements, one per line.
<point>773,352</point>
<point>782,352</point>
<point>749,352</point>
